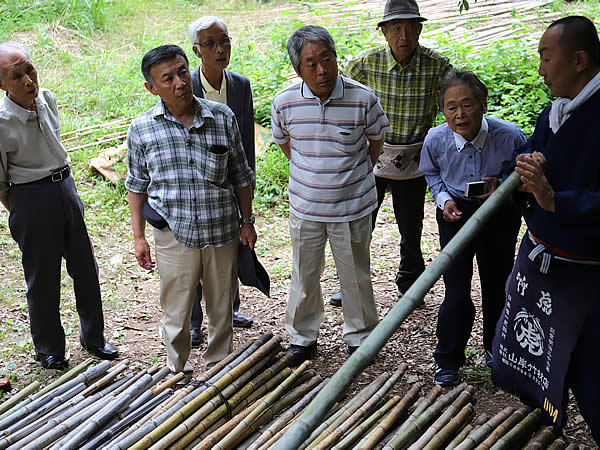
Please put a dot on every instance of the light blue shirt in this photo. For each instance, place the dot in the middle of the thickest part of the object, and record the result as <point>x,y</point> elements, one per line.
<point>449,161</point>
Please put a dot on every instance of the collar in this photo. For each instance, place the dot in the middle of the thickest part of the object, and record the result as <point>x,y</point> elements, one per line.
<point>207,87</point>
<point>479,140</point>
<point>337,92</point>
<point>202,113</point>
<point>21,113</point>
<point>392,63</point>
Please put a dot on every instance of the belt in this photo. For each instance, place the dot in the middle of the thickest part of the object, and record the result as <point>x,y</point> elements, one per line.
<point>557,251</point>
<point>58,175</point>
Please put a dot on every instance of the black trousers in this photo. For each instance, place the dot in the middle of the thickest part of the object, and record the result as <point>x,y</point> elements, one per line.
<point>408,198</point>
<point>46,220</point>
<point>494,248</point>
<point>198,315</point>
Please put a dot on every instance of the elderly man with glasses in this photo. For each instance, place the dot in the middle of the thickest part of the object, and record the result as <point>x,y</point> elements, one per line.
<point>212,44</point>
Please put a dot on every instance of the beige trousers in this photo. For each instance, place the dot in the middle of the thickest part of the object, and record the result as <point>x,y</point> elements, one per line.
<point>181,269</point>
<point>350,242</point>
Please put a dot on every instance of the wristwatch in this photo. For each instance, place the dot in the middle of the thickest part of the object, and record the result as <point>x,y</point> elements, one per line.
<point>250,219</point>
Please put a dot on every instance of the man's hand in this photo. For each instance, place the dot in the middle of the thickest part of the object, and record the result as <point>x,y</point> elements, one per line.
<point>451,212</point>
<point>531,168</point>
<point>248,235</point>
<point>5,202</point>
<point>492,184</point>
<point>142,254</point>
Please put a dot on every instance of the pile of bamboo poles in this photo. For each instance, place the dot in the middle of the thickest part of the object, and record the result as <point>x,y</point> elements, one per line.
<point>248,401</point>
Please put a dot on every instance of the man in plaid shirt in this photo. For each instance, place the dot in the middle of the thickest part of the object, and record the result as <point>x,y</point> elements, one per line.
<point>186,165</point>
<point>406,77</point>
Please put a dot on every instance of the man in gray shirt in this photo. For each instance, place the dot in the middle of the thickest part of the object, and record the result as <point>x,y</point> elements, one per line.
<point>46,214</point>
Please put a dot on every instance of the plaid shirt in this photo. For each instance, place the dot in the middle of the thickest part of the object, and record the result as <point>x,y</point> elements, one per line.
<point>190,175</point>
<point>408,94</point>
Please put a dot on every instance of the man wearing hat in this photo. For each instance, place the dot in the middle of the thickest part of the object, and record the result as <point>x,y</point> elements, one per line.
<point>406,77</point>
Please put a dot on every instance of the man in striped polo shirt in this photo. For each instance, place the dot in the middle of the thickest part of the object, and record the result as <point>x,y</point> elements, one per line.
<point>331,129</point>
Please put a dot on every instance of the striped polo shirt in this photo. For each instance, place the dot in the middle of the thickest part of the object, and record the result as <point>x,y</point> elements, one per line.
<point>331,175</point>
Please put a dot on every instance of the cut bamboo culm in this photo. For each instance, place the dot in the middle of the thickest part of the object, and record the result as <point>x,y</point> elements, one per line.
<point>542,439</point>
<point>503,428</point>
<point>468,429</point>
<point>520,432</point>
<point>451,428</point>
<point>478,435</point>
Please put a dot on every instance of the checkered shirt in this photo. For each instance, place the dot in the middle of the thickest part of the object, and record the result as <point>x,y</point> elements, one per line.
<point>190,175</point>
<point>408,94</point>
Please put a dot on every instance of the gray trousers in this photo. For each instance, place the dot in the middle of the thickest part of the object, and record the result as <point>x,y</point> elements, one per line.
<point>46,220</point>
<point>350,244</point>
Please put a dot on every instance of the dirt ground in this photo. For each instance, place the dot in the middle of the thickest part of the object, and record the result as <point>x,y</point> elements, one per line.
<point>133,314</point>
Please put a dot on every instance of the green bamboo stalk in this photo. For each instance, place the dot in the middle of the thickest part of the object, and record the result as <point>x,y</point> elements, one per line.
<point>40,400</point>
<point>367,425</point>
<point>145,434</point>
<point>451,428</point>
<point>558,444</point>
<point>374,436</point>
<point>478,435</point>
<point>232,438</point>
<point>416,427</point>
<point>480,420</point>
<point>55,417</point>
<point>283,403</point>
<point>153,391</point>
<point>421,407</point>
<point>331,419</point>
<point>360,359</point>
<point>542,439</point>
<point>463,398</point>
<point>520,432</point>
<point>94,423</point>
<point>210,440</point>
<point>351,408</point>
<point>108,378</point>
<point>214,402</point>
<point>205,395</point>
<point>362,411</point>
<point>286,417</point>
<point>503,428</point>
<point>276,436</point>
<point>11,402</point>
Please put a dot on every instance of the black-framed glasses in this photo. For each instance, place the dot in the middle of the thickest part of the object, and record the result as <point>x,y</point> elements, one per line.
<point>213,44</point>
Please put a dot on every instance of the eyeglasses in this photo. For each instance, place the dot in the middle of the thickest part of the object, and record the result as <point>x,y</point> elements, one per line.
<point>213,44</point>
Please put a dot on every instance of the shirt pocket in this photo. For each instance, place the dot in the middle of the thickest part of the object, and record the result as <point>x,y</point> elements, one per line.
<point>214,167</point>
<point>349,139</point>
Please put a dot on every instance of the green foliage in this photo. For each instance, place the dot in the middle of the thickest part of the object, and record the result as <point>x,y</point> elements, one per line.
<point>272,172</point>
<point>82,15</point>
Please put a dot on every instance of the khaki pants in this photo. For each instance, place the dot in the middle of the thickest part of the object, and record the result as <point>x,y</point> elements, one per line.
<point>350,242</point>
<point>181,269</point>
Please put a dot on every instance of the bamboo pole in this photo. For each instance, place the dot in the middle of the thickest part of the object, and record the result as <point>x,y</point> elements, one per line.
<point>463,398</point>
<point>371,439</point>
<point>108,378</point>
<point>520,432</point>
<point>213,403</point>
<point>542,439</point>
<point>503,428</point>
<point>276,437</point>
<point>368,424</point>
<point>94,423</point>
<point>286,417</point>
<point>558,444</point>
<point>146,430</point>
<point>98,126</point>
<point>283,403</point>
<point>451,428</point>
<point>205,395</point>
<point>361,358</point>
<point>478,435</point>
<point>232,438</point>
<point>416,427</point>
<point>350,408</point>
<point>468,429</point>
<point>362,411</point>
<point>116,428</point>
<point>572,446</point>
<point>51,420</point>
<point>151,392</point>
<point>11,402</point>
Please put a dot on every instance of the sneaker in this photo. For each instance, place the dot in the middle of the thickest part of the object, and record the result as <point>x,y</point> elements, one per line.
<point>445,377</point>
<point>488,358</point>
<point>336,299</point>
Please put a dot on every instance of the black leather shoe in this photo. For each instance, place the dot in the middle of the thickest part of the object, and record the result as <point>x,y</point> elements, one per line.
<point>107,351</point>
<point>52,362</point>
<point>336,299</point>
<point>302,353</point>
<point>241,320</point>
<point>197,337</point>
